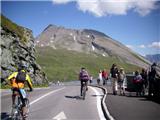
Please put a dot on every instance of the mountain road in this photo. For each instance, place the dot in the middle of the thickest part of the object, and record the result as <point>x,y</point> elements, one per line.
<point>59,102</point>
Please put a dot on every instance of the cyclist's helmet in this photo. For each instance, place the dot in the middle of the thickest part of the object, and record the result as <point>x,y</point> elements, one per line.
<point>22,67</point>
<point>82,68</point>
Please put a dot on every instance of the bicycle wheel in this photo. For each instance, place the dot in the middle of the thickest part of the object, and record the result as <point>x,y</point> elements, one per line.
<point>16,109</point>
<point>27,105</point>
<point>14,113</point>
<point>84,92</point>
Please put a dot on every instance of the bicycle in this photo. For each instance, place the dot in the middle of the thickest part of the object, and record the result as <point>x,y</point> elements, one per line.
<point>84,89</point>
<point>16,113</point>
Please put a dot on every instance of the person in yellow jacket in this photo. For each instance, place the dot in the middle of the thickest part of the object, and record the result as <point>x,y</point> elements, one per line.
<point>18,86</point>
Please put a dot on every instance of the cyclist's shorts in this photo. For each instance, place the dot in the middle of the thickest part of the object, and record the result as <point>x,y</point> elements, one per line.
<point>84,80</point>
<point>17,91</point>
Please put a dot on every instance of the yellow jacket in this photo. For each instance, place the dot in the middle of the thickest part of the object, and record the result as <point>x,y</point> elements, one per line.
<point>14,84</point>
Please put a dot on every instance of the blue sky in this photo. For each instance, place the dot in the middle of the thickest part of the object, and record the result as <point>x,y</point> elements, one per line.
<point>135,24</point>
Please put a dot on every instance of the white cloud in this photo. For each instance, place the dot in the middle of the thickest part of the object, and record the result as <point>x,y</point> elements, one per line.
<point>155,45</point>
<point>130,46</point>
<point>142,46</point>
<point>61,1</point>
<point>101,8</point>
<point>144,7</point>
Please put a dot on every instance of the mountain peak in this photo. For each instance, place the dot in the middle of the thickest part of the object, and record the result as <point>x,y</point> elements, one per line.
<point>87,41</point>
<point>50,26</point>
<point>95,32</point>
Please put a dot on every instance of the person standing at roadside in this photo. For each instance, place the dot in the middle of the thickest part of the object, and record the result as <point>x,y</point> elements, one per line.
<point>138,81</point>
<point>154,81</point>
<point>99,77</point>
<point>144,75</point>
<point>104,76</point>
<point>114,77</point>
<point>91,79</point>
<point>121,78</point>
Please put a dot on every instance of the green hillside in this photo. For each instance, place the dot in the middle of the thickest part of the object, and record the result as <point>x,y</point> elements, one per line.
<point>13,27</point>
<point>64,65</point>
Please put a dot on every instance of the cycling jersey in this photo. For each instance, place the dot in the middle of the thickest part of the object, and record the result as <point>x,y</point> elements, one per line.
<point>19,85</point>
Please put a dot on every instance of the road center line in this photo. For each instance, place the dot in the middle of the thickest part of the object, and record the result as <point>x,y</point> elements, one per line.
<point>99,107</point>
<point>45,95</point>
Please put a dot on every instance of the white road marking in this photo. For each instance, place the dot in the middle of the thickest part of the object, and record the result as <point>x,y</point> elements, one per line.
<point>108,114</point>
<point>60,116</point>
<point>45,96</point>
<point>99,107</point>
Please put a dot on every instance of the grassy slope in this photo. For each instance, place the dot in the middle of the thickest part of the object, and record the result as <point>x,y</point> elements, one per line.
<point>65,65</point>
<point>13,27</point>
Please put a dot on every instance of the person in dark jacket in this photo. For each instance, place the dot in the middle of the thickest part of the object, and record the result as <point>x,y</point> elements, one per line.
<point>144,75</point>
<point>154,81</point>
<point>114,77</point>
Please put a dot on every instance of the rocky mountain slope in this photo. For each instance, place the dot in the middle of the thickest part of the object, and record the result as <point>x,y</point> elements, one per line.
<point>90,42</point>
<point>17,47</point>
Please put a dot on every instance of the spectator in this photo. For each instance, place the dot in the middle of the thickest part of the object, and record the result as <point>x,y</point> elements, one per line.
<point>114,77</point>
<point>144,75</point>
<point>104,76</point>
<point>91,79</point>
<point>137,80</point>
<point>121,78</point>
<point>99,77</point>
<point>154,81</point>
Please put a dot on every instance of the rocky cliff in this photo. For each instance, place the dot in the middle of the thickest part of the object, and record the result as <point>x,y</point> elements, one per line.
<point>17,47</point>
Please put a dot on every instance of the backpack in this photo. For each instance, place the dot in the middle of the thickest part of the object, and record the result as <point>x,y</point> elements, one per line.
<point>21,77</point>
<point>84,75</point>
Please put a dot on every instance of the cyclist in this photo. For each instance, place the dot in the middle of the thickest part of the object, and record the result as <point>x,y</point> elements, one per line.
<point>18,80</point>
<point>83,77</point>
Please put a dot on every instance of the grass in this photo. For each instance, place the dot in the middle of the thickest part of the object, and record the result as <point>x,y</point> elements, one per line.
<point>65,65</point>
<point>5,86</point>
<point>12,27</point>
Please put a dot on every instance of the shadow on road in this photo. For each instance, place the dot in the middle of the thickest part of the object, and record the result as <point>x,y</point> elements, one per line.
<point>5,116</point>
<point>97,95</point>
<point>109,93</point>
<point>74,97</point>
<point>141,98</point>
<point>150,99</point>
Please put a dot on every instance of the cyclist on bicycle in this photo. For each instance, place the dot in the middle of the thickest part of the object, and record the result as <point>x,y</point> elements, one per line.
<point>18,80</point>
<point>83,77</point>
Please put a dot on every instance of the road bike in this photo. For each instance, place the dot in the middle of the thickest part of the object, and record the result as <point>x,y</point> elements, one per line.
<point>16,113</point>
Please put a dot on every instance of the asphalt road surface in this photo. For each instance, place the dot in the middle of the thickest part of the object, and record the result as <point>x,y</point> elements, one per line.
<point>59,102</point>
<point>131,107</point>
